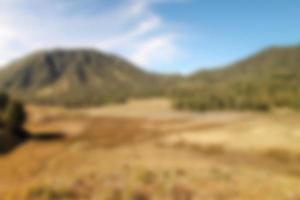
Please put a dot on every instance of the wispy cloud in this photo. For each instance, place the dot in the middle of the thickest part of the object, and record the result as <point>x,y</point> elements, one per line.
<point>130,28</point>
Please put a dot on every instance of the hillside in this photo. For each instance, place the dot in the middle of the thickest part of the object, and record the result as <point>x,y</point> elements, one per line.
<point>77,77</point>
<point>268,79</point>
<point>84,77</point>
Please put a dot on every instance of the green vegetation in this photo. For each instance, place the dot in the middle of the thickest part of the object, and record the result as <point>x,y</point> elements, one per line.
<point>15,116</point>
<point>79,78</point>
<point>267,80</point>
<point>12,119</point>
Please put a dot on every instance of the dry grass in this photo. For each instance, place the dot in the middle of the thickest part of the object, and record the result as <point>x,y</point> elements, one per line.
<point>115,156</point>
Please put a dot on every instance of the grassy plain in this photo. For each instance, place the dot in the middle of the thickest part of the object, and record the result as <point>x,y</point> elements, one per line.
<point>145,150</point>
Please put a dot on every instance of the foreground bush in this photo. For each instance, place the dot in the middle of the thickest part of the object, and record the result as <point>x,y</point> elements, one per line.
<point>12,119</point>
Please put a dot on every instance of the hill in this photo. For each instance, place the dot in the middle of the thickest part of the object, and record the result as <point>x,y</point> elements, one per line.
<point>268,79</point>
<point>77,77</point>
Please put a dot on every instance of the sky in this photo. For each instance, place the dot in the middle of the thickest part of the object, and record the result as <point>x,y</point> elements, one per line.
<point>168,36</point>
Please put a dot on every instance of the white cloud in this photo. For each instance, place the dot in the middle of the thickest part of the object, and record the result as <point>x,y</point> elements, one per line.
<point>156,49</point>
<point>143,28</point>
<point>131,29</point>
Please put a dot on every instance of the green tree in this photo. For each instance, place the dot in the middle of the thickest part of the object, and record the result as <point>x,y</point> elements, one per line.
<point>15,118</point>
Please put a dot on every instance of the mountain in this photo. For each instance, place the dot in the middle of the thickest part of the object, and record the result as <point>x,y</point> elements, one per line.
<point>83,77</point>
<point>270,78</point>
<point>77,77</point>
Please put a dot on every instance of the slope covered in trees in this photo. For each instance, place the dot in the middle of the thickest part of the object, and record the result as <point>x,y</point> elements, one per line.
<point>82,77</point>
<point>266,80</point>
<point>78,77</point>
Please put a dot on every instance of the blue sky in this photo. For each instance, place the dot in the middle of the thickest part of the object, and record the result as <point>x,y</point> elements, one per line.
<point>158,35</point>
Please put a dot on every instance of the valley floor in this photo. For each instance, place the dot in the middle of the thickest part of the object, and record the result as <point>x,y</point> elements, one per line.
<point>145,150</point>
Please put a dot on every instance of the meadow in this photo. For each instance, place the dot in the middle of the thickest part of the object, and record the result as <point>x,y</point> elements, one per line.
<point>146,150</point>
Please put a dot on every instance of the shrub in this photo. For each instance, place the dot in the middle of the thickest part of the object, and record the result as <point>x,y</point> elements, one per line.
<point>15,116</point>
<point>12,119</point>
<point>3,101</point>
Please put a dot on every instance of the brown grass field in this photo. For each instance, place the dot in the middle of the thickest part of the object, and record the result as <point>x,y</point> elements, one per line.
<point>145,150</point>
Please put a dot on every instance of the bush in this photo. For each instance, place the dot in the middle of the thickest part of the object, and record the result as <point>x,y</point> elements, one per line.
<point>12,119</point>
<point>3,101</point>
<point>15,115</point>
